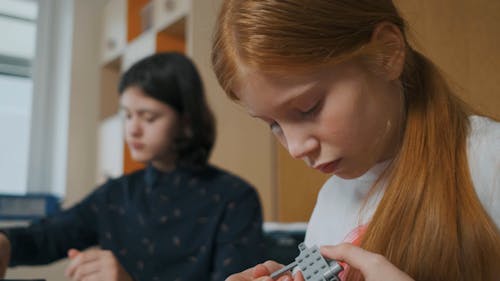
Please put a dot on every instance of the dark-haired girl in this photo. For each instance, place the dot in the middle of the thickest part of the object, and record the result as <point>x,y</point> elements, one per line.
<point>180,218</point>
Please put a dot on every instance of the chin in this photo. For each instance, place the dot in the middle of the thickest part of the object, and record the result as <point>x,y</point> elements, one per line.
<point>138,157</point>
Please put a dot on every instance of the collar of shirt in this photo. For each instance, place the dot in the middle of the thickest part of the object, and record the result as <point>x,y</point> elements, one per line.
<point>153,176</point>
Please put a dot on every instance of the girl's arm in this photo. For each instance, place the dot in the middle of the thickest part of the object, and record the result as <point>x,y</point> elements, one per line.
<point>49,239</point>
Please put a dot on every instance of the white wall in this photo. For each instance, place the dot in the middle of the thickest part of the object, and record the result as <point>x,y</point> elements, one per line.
<point>234,128</point>
<point>82,111</point>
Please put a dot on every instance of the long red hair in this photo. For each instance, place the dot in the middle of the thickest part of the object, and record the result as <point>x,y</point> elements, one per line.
<point>430,222</point>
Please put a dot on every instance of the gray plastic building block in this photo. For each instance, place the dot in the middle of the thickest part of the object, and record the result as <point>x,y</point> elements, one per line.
<point>313,266</point>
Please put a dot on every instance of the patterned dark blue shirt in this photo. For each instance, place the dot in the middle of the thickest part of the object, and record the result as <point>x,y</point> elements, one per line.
<point>180,225</point>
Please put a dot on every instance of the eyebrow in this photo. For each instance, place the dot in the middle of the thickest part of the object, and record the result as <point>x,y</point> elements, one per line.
<point>140,110</point>
<point>308,90</point>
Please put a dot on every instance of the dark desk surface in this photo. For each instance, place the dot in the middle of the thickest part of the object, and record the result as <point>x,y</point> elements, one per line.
<point>22,279</point>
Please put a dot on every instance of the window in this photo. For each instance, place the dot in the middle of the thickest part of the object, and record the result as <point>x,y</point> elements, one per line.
<point>18,26</point>
<point>53,149</point>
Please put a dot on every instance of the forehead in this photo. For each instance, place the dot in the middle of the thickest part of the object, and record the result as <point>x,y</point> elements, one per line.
<point>260,92</point>
<point>134,97</point>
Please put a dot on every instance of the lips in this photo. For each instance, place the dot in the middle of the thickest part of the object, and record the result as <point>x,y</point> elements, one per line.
<point>329,167</point>
<point>136,146</point>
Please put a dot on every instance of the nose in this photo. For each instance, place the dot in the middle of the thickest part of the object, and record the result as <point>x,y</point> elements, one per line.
<point>299,142</point>
<point>133,127</point>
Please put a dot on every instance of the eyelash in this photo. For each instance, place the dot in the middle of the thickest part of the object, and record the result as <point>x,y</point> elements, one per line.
<point>275,128</point>
<point>313,110</point>
<point>148,119</point>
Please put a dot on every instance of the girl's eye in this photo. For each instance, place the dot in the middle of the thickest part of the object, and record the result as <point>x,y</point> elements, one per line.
<point>275,128</point>
<point>313,110</point>
<point>124,114</point>
<point>150,119</point>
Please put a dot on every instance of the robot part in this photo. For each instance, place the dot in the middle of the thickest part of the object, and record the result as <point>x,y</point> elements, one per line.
<point>313,266</point>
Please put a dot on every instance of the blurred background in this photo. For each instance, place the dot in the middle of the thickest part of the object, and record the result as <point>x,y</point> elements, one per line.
<point>60,61</point>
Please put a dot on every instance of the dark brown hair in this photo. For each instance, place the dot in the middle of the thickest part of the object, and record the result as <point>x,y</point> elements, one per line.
<point>173,79</point>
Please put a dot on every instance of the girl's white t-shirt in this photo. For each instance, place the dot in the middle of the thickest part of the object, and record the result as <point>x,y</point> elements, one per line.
<point>337,210</point>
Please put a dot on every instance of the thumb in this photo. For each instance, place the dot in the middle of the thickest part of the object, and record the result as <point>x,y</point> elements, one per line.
<point>265,269</point>
<point>259,271</point>
<point>72,253</point>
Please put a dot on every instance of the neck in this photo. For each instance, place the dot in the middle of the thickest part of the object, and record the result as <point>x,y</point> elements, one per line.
<point>163,166</point>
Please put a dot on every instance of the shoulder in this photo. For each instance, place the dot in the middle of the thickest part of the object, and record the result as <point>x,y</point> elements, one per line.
<point>224,178</point>
<point>484,133</point>
<point>483,146</point>
<point>224,182</point>
<point>121,183</point>
<point>483,153</point>
<point>126,179</point>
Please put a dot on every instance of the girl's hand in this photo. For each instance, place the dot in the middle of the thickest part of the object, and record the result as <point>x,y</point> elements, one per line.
<point>372,266</point>
<point>95,264</point>
<point>259,272</point>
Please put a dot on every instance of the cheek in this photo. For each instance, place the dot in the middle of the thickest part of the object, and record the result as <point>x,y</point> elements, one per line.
<point>162,134</point>
<point>355,132</point>
<point>344,132</point>
<point>339,122</point>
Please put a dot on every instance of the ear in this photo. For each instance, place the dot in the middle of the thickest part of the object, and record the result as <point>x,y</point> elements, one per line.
<point>392,42</point>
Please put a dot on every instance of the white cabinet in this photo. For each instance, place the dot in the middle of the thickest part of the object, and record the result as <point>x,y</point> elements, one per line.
<point>141,47</point>
<point>114,36</point>
<point>157,19</point>
<point>167,12</point>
